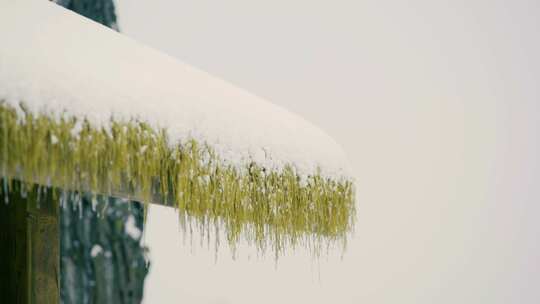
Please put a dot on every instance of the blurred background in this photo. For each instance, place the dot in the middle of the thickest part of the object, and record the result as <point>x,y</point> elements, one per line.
<point>437,105</point>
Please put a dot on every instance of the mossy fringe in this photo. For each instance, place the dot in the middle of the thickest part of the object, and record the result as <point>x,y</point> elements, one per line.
<point>271,210</point>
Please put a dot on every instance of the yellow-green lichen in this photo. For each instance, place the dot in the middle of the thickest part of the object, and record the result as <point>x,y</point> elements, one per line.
<point>273,210</point>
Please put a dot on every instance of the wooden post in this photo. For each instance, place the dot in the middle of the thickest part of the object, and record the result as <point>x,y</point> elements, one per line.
<point>29,246</point>
<point>51,254</point>
<point>13,249</point>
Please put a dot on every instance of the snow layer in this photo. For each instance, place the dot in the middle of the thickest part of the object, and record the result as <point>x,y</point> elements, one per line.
<point>54,60</point>
<point>131,228</point>
<point>96,249</point>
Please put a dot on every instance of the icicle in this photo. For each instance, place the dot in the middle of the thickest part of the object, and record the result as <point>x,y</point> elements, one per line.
<point>131,229</point>
<point>79,203</point>
<point>94,203</point>
<point>71,199</point>
<point>38,198</point>
<point>62,199</point>
<point>6,190</point>
<point>23,192</point>
<point>101,213</point>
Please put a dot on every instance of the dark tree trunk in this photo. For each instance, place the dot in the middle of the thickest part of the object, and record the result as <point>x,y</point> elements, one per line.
<point>102,260</point>
<point>101,11</point>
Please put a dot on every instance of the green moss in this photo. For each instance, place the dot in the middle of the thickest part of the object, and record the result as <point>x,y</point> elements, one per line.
<point>271,210</point>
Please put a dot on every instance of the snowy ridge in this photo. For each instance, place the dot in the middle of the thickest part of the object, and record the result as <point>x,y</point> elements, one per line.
<point>54,60</point>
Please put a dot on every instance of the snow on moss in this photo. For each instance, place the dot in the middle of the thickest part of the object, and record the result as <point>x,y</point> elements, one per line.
<point>84,108</point>
<point>52,58</point>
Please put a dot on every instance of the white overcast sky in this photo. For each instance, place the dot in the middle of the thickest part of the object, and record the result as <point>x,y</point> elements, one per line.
<point>437,104</point>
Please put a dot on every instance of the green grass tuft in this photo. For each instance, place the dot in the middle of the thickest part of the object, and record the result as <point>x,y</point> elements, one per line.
<point>271,210</point>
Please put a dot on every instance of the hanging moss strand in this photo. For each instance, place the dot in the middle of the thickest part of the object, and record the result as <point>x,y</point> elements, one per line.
<point>272,210</point>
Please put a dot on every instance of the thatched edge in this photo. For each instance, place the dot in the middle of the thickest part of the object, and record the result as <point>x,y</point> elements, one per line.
<point>270,209</point>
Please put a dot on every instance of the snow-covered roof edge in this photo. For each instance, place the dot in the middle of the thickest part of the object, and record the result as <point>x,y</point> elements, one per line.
<point>55,60</point>
<point>83,109</point>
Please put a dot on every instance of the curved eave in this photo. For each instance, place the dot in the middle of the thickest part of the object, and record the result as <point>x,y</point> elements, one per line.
<point>83,108</point>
